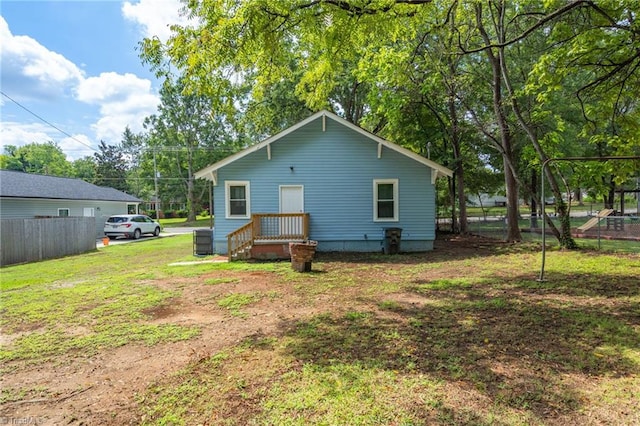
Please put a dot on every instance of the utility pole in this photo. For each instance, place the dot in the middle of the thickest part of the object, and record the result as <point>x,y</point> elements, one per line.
<point>155,183</point>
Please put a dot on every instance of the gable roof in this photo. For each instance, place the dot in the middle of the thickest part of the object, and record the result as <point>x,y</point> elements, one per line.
<point>209,172</point>
<point>27,185</point>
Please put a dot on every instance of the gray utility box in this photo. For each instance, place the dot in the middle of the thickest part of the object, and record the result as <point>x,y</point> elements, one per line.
<point>202,242</point>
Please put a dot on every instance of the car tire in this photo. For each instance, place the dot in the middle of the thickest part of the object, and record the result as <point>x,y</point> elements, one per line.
<point>136,234</point>
<point>156,231</point>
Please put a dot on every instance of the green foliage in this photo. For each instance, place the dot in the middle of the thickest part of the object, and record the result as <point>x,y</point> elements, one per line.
<point>41,158</point>
<point>476,86</point>
<point>85,169</point>
<point>111,167</point>
<point>186,134</point>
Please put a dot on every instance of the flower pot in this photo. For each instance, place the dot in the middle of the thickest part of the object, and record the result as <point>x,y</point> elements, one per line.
<point>105,241</point>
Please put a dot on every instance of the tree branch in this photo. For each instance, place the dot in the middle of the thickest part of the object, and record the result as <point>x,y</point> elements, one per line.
<point>547,18</point>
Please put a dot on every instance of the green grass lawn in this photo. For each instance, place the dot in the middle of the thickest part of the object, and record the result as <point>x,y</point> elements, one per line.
<point>106,292</point>
<point>462,335</point>
<point>201,221</point>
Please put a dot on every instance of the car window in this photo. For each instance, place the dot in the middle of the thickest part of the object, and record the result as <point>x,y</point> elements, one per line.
<point>117,219</point>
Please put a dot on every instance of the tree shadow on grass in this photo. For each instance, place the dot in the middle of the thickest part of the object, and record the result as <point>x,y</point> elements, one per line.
<point>445,249</point>
<point>511,346</point>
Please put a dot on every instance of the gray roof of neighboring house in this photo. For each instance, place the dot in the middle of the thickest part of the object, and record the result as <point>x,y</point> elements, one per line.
<point>26,185</point>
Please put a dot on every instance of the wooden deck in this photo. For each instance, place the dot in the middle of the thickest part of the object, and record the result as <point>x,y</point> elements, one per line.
<point>267,229</point>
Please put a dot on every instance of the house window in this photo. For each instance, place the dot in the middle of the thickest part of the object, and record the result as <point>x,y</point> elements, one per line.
<point>237,199</point>
<point>132,208</point>
<point>63,212</point>
<point>385,200</point>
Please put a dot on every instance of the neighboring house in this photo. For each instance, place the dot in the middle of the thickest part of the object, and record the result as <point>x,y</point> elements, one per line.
<point>25,195</point>
<point>328,180</point>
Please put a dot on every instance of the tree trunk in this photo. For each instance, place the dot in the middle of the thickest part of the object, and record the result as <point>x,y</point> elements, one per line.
<point>534,206</point>
<point>609,199</point>
<point>191,203</point>
<point>506,142</point>
<point>458,169</point>
<point>564,235</point>
<point>452,197</point>
<point>577,196</point>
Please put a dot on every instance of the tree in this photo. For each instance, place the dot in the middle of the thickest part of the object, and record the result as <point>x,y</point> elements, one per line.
<point>111,167</point>
<point>85,169</point>
<point>42,158</point>
<point>352,55</point>
<point>184,136</point>
<point>9,160</point>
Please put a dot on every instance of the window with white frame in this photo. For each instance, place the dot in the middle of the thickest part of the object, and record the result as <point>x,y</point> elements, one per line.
<point>385,200</point>
<point>63,212</point>
<point>238,204</point>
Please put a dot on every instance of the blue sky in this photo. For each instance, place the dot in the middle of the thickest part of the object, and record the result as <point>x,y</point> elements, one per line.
<point>75,65</point>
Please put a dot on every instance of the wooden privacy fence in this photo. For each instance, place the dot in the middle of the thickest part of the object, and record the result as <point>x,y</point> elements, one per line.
<point>30,240</point>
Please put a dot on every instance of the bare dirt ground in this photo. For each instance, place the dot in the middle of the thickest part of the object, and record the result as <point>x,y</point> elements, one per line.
<point>102,389</point>
<point>105,389</point>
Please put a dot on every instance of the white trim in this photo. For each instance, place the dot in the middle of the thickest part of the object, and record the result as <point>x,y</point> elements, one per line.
<point>207,172</point>
<point>396,200</point>
<point>269,152</point>
<point>247,194</point>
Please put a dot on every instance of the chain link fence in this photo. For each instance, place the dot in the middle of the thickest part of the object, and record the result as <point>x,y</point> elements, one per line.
<point>607,233</point>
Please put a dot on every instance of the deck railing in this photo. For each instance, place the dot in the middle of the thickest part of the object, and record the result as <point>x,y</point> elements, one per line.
<point>266,227</point>
<point>239,240</point>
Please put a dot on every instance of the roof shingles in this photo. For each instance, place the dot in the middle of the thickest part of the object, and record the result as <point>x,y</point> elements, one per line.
<point>26,185</point>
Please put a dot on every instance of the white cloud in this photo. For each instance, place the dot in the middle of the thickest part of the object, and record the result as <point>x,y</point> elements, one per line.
<point>19,134</point>
<point>31,74</point>
<point>31,71</point>
<point>155,16</point>
<point>75,149</point>
<point>124,100</point>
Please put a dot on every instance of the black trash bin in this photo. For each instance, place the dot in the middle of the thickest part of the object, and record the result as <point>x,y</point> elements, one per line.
<point>202,242</point>
<point>392,237</point>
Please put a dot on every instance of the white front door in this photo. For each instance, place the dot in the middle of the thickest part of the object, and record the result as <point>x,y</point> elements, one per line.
<point>291,201</point>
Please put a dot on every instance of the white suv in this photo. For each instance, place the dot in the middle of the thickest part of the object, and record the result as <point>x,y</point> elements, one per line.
<point>130,226</point>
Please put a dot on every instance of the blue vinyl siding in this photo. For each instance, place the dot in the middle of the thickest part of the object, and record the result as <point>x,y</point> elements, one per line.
<point>337,169</point>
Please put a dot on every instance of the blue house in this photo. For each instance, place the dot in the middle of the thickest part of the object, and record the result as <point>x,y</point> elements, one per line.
<point>327,180</point>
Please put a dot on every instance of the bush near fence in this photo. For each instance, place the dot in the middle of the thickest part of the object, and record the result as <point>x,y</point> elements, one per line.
<point>30,240</point>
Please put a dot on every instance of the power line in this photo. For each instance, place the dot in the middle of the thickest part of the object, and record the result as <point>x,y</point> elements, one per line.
<point>46,122</point>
